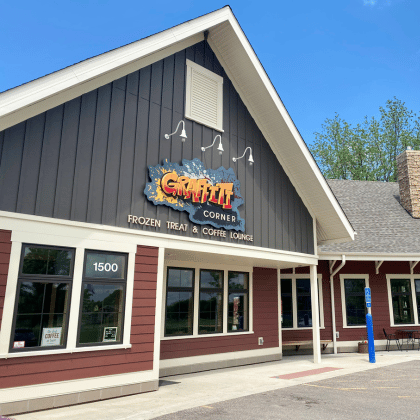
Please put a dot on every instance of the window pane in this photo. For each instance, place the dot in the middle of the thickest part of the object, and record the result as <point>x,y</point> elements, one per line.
<point>354,290</point>
<point>401,301</point>
<point>238,281</point>
<point>179,313</point>
<point>303,296</point>
<point>400,286</point>
<point>286,302</point>
<point>102,312</point>
<point>355,308</point>
<point>46,261</point>
<point>238,312</point>
<point>100,265</point>
<point>286,286</point>
<point>42,314</point>
<point>178,277</point>
<point>304,313</point>
<point>211,312</point>
<point>211,279</point>
<point>303,286</point>
<point>355,286</point>
<point>403,312</point>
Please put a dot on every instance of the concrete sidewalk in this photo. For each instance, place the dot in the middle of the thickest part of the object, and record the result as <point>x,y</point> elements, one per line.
<point>187,391</point>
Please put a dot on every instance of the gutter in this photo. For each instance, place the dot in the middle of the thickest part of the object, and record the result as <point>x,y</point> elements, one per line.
<point>332,274</point>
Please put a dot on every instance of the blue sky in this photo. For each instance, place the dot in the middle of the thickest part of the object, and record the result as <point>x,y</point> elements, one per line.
<point>345,56</point>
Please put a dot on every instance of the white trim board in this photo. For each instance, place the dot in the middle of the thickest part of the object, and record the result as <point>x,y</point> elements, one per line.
<point>218,357</point>
<point>46,229</point>
<point>77,385</point>
<point>360,256</point>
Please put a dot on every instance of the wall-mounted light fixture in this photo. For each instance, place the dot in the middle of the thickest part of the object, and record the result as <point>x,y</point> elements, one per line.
<point>183,134</point>
<point>219,148</point>
<point>250,159</point>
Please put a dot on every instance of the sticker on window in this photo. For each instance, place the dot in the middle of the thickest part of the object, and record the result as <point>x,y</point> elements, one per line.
<point>51,337</point>
<point>18,344</point>
<point>110,334</point>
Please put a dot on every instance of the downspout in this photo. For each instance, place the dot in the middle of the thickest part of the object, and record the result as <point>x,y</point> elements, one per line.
<point>332,274</point>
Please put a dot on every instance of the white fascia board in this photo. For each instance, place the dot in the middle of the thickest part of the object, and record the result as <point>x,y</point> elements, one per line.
<point>360,256</point>
<point>273,106</point>
<point>30,99</point>
<point>45,230</point>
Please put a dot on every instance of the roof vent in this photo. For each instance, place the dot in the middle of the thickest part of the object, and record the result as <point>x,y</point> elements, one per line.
<point>204,96</point>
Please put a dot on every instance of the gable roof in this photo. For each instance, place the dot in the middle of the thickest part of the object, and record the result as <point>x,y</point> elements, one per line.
<point>384,228</point>
<point>249,78</point>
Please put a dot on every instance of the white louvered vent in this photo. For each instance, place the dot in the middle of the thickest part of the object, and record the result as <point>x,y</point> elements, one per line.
<point>204,96</point>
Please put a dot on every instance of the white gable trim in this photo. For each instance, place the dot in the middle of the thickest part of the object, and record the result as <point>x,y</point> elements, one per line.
<point>246,73</point>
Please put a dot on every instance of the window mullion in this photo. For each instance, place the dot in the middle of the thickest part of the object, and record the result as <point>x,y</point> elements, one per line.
<point>196,301</point>
<point>75,298</point>
<point>225,301</point>
<point>414,299</point>
<point>294,302</point>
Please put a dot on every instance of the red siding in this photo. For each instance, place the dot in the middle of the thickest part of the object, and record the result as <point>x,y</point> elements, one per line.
<point>41,369</point>
<point>265,325</point>
<point>380,306</point>
<point>5,248</point>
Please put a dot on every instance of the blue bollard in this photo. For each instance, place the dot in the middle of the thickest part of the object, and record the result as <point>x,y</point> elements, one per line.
<point>371,342</point>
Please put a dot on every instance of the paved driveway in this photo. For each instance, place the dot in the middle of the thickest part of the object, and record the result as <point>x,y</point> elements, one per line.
<point>383,393</point>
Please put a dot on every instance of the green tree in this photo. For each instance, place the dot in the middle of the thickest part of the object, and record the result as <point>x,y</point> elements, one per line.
<point>368,150</point>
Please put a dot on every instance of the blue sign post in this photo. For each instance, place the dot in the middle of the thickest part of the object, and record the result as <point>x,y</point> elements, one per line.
<point>369,326</point>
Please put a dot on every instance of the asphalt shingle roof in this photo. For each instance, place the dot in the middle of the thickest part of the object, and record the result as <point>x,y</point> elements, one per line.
<point>374,210</point>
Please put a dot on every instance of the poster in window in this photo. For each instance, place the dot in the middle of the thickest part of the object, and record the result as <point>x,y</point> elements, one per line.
<point>235,322</point>
<point>110,334</point>
<point>51,337</point>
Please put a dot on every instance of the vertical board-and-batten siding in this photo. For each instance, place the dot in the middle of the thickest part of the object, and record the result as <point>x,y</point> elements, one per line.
<point>62,367</point>
<point>5,249</point>
<point>86,160</point>
<point>265,320</point>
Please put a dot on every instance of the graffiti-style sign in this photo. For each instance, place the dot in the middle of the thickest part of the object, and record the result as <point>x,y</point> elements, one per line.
<point>210,196</point>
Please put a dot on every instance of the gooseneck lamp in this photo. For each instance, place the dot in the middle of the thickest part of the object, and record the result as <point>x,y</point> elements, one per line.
<point>183,134</point>
<point>250,159</point>
<point>219,148</point>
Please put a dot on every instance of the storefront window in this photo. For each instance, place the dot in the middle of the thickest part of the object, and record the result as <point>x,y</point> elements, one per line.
<point>298,315</point>
<point>215,313</point>
<point>211,302</point>
<point>238,319</point>
<point>179,302</point>
<point>354,290</point>
<point>43,298</point>
<point>103,298</point>
<point>402,301</point>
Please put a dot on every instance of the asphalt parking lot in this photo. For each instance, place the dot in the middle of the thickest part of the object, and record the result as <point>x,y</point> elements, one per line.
<point>382,393</point>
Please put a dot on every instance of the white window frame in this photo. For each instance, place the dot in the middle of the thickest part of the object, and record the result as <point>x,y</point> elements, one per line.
<point>294,277</point>
<point>76,291</point>
<point>194,67</point>
<point>197,267</point>
<point>343,296</point>
<point>412,278</point>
